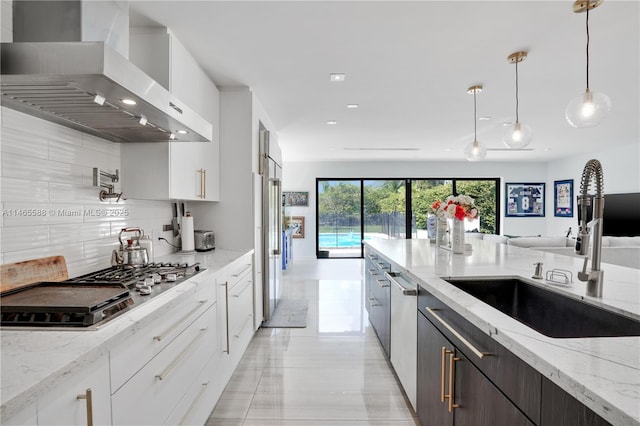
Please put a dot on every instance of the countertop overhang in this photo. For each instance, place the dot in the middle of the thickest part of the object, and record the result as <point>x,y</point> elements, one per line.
<point>603,373</point>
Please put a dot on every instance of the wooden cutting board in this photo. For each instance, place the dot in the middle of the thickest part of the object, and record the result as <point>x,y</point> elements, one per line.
<point>20,274</point>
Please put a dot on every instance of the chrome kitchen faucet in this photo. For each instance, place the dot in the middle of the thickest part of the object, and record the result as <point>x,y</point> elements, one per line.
<point>592,170</point>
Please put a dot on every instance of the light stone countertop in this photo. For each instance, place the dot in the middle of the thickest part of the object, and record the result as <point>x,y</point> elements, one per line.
<point>603,373</point>
<point>34,361</point>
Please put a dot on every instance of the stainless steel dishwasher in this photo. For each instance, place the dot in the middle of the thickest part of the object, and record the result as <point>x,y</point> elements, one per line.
<point>404,331</point>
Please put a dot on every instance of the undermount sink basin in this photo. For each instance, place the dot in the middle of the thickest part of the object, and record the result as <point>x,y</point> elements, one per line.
<point>547,312</point>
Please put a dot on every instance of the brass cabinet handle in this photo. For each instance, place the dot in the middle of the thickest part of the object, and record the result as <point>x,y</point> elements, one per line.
<point>249,282</point>
<point>172,365</point>
<point>247,266</point>
<point>475,350</point>
<point>88,397</point>
<point>237,336</point>
<point>195,401</point>
<point>163,335</point>
<point>452,379</point>
<point>445,351</point>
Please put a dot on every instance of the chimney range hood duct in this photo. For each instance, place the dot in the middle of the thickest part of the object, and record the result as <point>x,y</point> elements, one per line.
<point>84,84</point>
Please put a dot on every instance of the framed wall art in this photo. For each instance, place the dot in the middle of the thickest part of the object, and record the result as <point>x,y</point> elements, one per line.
<point>297,224</point>
<point>563,198</point>
<point>524,199</point>
<point>295,199</point>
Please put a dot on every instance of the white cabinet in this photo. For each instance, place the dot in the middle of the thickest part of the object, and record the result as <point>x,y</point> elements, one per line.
<point>235,293</point>
<point>171,171</point>
<point>154,370</point>
<point>82,398</point>
<point>174,170</point>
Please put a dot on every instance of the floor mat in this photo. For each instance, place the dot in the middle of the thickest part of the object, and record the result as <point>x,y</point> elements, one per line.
<point>290,313</point>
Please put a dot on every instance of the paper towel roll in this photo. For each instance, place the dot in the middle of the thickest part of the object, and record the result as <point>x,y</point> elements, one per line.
<point>187,233</point>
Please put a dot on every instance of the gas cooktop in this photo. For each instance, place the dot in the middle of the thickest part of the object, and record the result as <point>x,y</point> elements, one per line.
<point>90,300</point>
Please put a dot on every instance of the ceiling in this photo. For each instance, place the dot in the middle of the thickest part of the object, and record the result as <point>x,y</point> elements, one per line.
<point>408,66</point>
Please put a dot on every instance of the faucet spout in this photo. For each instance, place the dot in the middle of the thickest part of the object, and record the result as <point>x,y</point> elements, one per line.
<point>594,277</point>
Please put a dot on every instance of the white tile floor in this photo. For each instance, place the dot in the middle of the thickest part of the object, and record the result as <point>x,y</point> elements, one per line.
<point>333,372</point>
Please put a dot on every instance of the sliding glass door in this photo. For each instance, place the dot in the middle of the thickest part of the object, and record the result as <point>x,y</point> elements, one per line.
<point>339,213</point>
<point>350,211</point>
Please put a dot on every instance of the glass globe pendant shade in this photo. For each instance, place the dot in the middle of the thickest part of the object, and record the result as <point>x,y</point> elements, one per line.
<point>517,136</point>
<point>475,151</point>
<point>588,109</point>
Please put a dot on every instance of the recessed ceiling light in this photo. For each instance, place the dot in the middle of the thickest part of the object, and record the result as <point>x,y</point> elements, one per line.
<point>332,122</point>
<point>182,132</point>
<point>485,118</point>
<point>337,77</point>
<point>128,101</point>
<point>506,123</point>
<point>352,106</point>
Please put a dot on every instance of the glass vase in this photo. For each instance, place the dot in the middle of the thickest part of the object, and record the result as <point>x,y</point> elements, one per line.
<point>457,236</point>
<point>442,235</point>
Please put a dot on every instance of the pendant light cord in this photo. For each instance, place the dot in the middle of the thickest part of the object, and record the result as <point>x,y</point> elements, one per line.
<point>517,100</point>
<point>475,117</point>
<point>587,24</point>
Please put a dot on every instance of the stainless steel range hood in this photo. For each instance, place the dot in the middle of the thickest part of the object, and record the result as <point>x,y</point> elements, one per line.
<point>85,84</point>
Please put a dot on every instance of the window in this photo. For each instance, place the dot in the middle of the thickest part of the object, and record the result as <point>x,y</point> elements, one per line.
<point>350,211</point>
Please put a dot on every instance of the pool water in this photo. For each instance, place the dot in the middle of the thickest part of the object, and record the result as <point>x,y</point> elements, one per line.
<point>346,240</point>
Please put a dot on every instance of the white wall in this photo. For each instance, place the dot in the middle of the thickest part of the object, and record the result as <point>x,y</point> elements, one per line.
<point>621,169</point>
<point>50,206</point>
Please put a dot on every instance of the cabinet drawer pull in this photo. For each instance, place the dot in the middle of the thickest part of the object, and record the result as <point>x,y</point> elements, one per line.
<point>195,401</point>
<point>380,283</point>
<point>237,336</point>
<point>475,350</point>
<point>452,380</point>
<point>242,271</point>
<point>405,291</point>
<point>226,313</point>
<point>181,355</point>
<point>243,289</point>
<point>89,401</point>
<point>168,331</point>
<point>443,374</point>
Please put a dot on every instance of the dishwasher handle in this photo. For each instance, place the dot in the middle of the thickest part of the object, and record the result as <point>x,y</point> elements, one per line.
<point>405,291</point>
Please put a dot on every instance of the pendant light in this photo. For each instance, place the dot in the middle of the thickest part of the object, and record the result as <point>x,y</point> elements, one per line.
<point>475,150</point>
<point>589,108</point>
<point>518,135</point>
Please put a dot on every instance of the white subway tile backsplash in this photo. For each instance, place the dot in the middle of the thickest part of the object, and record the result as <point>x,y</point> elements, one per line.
<point>24,190</point>
<point>23,237</point>
<point>60,234</point>
<point>19,166</point>
<point>51,204</point>
<point>71,252</point>
<point>64,192</point>
<point>98,249</point>
<point>18,142</point>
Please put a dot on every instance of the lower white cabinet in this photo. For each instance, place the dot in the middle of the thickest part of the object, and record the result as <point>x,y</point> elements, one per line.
<point>235,294</point>
<point>154,392</point>
<point>82,398</point>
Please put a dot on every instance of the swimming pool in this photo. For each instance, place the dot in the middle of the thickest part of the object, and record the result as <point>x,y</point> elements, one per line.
<point>345,240</point>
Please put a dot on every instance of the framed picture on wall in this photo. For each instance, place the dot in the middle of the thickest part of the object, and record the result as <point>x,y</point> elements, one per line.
<point>294,199</point>
<point>563,198</point>
<point>524,199</point>
<point>297,224</point>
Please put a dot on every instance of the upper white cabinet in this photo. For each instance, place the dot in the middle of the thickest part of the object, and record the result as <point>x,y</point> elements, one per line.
<point>174,170</point>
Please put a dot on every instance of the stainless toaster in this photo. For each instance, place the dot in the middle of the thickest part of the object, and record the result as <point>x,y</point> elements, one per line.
<point>204,240</point>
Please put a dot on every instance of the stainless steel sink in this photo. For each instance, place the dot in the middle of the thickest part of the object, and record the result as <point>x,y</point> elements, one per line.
<point>550,313</point>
